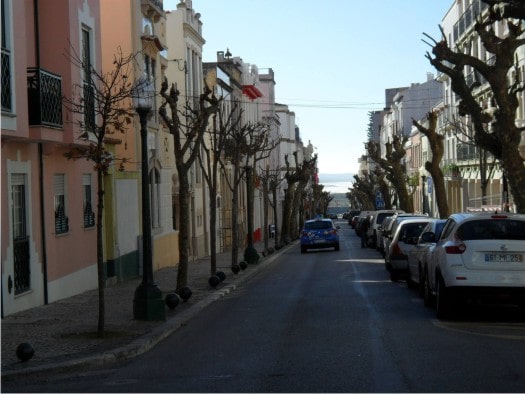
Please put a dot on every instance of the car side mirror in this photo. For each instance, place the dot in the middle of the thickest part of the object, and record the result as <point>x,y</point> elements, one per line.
<point>428,237</point>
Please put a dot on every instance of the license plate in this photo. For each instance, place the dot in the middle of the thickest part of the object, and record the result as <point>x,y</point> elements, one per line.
<point>319,241</point>
<point>504,257</point>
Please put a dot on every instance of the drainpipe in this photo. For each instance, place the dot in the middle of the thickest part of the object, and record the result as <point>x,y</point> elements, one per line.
<point>41,164</point>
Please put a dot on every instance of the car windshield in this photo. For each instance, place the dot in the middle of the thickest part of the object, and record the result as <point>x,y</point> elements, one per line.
<point>412,230</point>
<point>317,225</point>
<point>492,229</point>
<point>383,216</point>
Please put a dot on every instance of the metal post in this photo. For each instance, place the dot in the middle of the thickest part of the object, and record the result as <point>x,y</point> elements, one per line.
<point>424,201</point>
<point>148,303</point>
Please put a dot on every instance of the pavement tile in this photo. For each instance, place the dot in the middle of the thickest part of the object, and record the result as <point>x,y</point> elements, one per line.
<point>63,333</point>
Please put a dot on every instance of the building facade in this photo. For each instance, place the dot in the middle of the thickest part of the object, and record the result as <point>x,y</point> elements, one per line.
<point>48,201</point>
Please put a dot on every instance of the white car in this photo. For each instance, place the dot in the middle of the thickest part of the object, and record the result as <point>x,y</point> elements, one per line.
<point>403,240</point>
<point>479,256</point>
<point>418,256</point>
<point>377,219</point>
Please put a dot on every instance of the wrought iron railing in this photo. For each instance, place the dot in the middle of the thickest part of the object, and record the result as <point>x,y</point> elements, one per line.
<point>89,107</point>
<point>22,265</point>
<point>89,216</point>
<point>44,98</point>
<point>7,94</point>
<point>61,221</point>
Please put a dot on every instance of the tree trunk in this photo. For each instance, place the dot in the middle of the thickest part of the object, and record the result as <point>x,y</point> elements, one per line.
<point>213,225</point>
<point>439,187</point>
<point>514,170</point>
<point>184,230</point>
<point>100,255</point>
<point>266,225</point>
<point>275,216</point>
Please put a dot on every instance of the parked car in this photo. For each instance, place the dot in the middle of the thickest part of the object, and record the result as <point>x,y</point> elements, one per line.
<point>375,222</point>
<point>353,221</point>
<point>319,233</point>
<point>360,221</point>
<point>418,255</point>
<point>479,256</point>
<point>403,240</point>
<point>389,226</point>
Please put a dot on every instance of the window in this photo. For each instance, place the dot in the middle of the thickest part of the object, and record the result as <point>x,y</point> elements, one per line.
<point>21,256</point>
<point>89,215</point>
<point>61,219</point>
<point>150,66</point>
<point>89,92</point>
<point>7,94</point>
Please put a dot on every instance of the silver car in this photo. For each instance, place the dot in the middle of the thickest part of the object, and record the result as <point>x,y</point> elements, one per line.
<point>403,240</point>
<point>418,256</point>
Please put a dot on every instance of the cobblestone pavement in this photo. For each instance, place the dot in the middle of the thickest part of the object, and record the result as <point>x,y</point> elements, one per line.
<point>63,333</point>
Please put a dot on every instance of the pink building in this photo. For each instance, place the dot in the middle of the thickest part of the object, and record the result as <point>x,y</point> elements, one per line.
<point>48,242</point>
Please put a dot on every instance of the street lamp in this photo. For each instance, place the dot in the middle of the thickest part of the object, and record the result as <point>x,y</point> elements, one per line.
<point>147,303</point>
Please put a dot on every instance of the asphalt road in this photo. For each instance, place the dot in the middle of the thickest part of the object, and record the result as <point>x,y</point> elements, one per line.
<point>324,321</point>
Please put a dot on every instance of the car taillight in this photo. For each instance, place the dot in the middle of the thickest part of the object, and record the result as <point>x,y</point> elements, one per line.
<point>396,250</point>
<point>333,232</point>
<point>457,248</point>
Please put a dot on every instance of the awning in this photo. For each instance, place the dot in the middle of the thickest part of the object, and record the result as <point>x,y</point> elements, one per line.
<point>251,91</point>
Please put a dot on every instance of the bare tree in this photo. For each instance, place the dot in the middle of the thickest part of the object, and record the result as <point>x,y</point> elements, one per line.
<point>297,178</point>
<point>436,142</point>
<point>270,179</point>
<point>362,192</point>
<point>223,123</point>
<point>188,125</point>
<point>502,73</point>
<point>394,168</point>
<point>102,108</point>
<point>243,142</point>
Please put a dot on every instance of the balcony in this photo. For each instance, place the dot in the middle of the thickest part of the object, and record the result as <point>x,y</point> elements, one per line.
<point>7,94</point>
<point>44,95</point>
<point>153,9</point>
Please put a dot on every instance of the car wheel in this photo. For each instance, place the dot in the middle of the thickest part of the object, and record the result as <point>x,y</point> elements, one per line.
<point>394,275</point>
<point>410,283</point>
<point>337,246</point>
<point>443,305</point>
<point>427,295</point>
<point>420,288</point>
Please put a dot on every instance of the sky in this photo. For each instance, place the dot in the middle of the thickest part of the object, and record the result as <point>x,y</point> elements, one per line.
<point>332,60</point>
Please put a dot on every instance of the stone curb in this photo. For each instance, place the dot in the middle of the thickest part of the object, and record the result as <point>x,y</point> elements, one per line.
<point>149,340</point>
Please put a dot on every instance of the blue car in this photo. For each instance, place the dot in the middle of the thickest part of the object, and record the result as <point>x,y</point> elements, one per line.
<point>319,233</point>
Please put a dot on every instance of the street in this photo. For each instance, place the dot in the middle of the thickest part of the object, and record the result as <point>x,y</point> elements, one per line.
<point>324,321</point>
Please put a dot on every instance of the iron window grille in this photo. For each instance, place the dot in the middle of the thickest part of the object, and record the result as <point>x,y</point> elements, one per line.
<point>61,219</point>
<point>7,94</point>
<point>21,256</point>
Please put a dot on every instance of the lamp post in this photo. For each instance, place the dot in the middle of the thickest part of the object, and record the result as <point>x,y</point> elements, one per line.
<point>147,303</point>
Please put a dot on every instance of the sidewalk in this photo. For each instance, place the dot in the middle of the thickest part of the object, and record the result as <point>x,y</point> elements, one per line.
<point>63,334</point>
